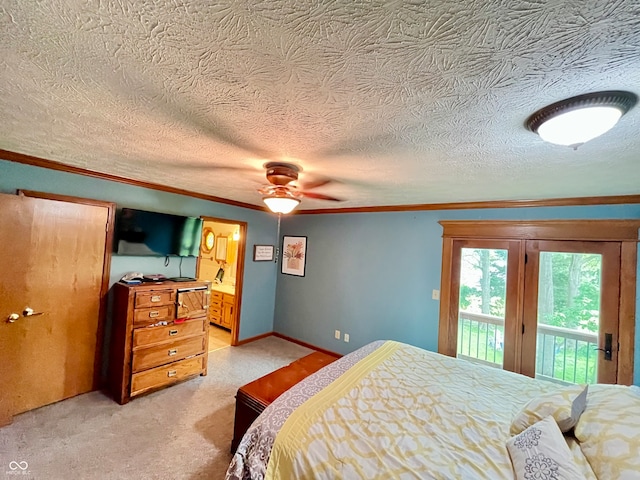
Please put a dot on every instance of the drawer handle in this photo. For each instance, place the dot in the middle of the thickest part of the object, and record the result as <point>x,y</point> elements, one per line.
<point>173,352</point>
<point>173,332</point>
<point>154,314</point>
<point>172,373</point>
<point>155,298</point>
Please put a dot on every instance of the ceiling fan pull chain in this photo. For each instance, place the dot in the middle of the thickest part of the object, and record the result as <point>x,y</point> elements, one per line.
<point>278,240</point>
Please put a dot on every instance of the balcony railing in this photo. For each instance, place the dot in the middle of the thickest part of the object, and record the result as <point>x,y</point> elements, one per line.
<point>563,355</point>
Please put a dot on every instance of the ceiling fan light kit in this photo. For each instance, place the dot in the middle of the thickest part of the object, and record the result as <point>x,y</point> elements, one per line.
<point>280,196</point>
<point>577,120</point>
<point>280,204</point>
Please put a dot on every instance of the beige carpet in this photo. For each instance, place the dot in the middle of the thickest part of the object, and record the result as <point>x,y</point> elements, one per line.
<point>183,432</point>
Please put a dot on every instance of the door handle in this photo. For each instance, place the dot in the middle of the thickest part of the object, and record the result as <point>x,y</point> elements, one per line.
<point>28,312</point>
<point>608,346</point>
<point>12,318</point>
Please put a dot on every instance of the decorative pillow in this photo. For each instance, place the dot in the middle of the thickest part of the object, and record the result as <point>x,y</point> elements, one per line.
<point>609,431</point>
<point>564,405</point>
<point>541,453</point>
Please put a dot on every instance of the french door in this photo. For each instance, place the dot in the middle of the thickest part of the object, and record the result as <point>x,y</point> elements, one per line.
<point>571,298</point>
<point>486,304</point>
<point>557,309</point>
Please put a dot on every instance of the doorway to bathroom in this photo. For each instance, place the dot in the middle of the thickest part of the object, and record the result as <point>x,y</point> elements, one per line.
<point>221,262</point>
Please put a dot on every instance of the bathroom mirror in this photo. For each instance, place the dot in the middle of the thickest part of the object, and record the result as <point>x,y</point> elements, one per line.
<point>208,240</point>
<point>221,248</point>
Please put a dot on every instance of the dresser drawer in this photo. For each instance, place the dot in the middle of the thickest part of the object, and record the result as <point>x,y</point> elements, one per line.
<point>161,376</point>
<point>192,303</point>
<point>166,352</point>
<point>151,335</point>
<point>149,316</point>
<point>159,297</point>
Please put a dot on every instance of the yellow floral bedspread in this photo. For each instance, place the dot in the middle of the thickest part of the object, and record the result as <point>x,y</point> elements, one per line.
<point>403,412</point>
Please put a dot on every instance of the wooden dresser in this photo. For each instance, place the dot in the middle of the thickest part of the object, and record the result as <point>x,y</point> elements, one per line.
<point>159,336</point>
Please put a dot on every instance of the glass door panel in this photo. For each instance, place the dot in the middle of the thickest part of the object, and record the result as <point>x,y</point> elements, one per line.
<point>569,291</point>
<point>571,311</point>
<point>481,305</point>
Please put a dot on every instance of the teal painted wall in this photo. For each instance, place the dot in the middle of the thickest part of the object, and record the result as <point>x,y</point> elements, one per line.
<point>371,274</point>
<point>259,277</point>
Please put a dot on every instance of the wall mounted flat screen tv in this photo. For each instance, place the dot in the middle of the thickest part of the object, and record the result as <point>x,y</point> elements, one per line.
<point>141,233</point>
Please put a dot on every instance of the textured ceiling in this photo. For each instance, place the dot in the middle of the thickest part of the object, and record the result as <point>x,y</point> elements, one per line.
<point>403,102</point>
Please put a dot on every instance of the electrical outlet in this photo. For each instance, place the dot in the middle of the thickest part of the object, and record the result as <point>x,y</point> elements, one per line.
<point>346,337</point>
<point>337,335</point>
<point>435,294</point>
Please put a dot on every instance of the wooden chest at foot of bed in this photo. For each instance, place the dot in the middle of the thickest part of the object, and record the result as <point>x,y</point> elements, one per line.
<point>254,397</point>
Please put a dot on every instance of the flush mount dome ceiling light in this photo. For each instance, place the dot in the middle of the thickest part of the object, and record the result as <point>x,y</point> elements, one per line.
<point>577,120</point>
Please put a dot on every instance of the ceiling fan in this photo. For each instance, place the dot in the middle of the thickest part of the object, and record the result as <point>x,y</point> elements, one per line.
<point>282,197</point>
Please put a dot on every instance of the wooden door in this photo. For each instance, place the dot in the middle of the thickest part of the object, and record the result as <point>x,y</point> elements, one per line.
<point>52,262</point>
<point>485,301</point>
<point>571,313</point>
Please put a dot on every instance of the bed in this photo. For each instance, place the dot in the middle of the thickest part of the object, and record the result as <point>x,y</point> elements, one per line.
<point>391,410</point>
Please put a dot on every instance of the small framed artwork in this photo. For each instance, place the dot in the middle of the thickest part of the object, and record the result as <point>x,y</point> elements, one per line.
<point>263,253</point>
<point>294,255</point>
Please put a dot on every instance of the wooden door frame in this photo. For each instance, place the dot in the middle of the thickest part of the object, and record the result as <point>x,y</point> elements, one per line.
<point>106,268</point>
<point>624,231</point>
<point>240,259</point>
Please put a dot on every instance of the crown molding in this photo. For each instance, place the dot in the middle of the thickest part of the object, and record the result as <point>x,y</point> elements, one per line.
<point>61,167</point>
<point>552,202</point>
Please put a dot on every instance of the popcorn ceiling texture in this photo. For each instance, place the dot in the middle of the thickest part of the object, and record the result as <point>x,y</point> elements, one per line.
<point>403,102</point>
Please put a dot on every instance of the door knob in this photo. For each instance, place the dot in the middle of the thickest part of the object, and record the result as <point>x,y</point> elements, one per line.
<point>28,312</point>
<point>13,317</point>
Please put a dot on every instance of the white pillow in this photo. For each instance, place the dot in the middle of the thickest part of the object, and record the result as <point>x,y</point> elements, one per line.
<point>541,452</point>
<point>609,431</point>
<point>564,405</point>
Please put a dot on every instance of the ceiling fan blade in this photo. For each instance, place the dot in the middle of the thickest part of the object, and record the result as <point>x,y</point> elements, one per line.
<point>216,167</point>
<point>320,196</point>
<point>189,114</point>
<point>315,183</point>
<point>206,166</point>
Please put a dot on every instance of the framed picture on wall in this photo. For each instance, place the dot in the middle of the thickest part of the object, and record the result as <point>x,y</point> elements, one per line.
<point>294,255</point>
<point>263,253</point>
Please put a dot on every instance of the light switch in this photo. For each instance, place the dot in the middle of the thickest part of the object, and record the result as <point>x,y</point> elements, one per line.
<point>337,335</point>
<point>435,294</point>
<point>346,337</point>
